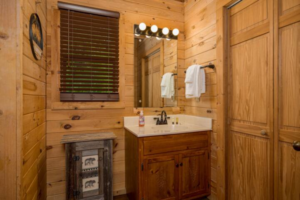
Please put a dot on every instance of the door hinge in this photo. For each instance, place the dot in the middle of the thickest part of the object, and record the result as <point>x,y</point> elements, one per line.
<point>76,193</point>
<point>142,167</point>
<point>76,158</point>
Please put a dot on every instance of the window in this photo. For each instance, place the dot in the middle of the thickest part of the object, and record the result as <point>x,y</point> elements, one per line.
<point>89,54</point>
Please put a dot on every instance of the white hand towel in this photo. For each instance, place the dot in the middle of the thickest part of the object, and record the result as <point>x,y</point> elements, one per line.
<point>164,80</point>
<point>190,74</point>
<point>200,80</point>
<point>167,86</point>
<point>189,81</point>
<point>195,86</point>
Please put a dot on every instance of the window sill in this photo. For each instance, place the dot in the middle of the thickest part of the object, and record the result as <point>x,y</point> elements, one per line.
<point>87,105</point>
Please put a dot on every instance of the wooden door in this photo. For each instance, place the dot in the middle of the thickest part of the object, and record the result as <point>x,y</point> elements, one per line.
<point>161,178</point>
<point>250,101</point>
<point>194,174</point>
<point>287,99</point>
<point>153,79</point>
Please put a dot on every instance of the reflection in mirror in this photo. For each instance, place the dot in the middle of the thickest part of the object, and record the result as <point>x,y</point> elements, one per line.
<point>152,59</point>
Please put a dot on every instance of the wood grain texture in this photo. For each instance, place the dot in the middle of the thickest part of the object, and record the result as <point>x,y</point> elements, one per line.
<point>289,172</point>
<point>200,48</point>
<point>34,113</point>
<point>287,126</point>
<point>107,116</point>
<point>11,99</point>
<point>181,170</point>
<point>250,102</point>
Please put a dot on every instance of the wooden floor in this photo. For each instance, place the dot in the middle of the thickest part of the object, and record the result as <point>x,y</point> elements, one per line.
<point>124,197</point>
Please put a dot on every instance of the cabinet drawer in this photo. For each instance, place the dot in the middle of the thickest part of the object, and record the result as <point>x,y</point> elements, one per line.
<point>170,143</point>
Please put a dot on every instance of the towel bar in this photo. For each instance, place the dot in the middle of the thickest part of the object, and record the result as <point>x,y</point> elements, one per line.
<point>210,65</point>
<point>173,74</point>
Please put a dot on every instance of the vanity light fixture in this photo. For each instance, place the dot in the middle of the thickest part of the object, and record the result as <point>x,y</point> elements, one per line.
<point>143,30</point>
<point>142,26</point>
<point>175,32</point>
<point>154,28</point>
<point>165,31</point>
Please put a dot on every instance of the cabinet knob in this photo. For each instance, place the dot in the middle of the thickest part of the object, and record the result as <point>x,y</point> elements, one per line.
<point>296,145</point>
<point>263,132</point>
<point>181,164</point>
<point>67,126</point>
<point>177,165</point>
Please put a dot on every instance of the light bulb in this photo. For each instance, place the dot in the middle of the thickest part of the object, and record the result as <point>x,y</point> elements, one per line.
<point>175,32</point>
<point>165,31</point>
<point>142,26</point>
<point>154,28</point>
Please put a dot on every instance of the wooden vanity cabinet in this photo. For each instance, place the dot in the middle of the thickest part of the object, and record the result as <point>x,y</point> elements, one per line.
<point>168,167</point>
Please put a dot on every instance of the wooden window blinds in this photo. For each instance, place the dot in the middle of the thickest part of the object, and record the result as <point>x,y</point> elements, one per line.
<point>89,56</point>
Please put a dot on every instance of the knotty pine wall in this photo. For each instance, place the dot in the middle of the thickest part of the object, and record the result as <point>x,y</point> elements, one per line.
<point>101,117</point>
<point>10,99</point>
<point>33,153</point>
<point>200,48</point>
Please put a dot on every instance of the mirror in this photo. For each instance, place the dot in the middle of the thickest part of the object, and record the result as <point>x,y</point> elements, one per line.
<point>152,59</point>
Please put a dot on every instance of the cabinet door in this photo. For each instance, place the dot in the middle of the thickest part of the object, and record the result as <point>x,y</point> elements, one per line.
<point>194,174</point>
<point>161,178</point>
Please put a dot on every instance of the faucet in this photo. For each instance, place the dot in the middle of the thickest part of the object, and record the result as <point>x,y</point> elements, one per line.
<point>163,118</point>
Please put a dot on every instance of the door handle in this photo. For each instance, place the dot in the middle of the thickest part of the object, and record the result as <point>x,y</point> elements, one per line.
<point>263,132</point>
<point>296,145</point>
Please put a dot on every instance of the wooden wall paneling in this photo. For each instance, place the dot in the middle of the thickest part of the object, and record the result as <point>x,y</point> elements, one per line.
<point>11,99</point>
<point>34,105</point>
<point>132,12</point>
<point>200,48</point>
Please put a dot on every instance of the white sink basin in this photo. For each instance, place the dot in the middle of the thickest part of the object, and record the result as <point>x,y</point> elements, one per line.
<point>187,124</point>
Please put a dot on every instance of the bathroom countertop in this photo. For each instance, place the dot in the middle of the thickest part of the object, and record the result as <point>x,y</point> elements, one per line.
<point>147,131</point>
<point>186,124</point>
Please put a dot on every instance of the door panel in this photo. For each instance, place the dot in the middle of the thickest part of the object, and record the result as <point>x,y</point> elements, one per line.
<point>193,174</point>
<point>250,101</point>
<point>289,4</point>
<point>260,169</point>
<point>249,170</point>
<point>161,178</point>
<point>288,92</point>
<point>248,17</point>
<point>239,160</point>
<point>289,167</point>
<point>249,86</point>
<point>289,44</point>
<point>153,79</point>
